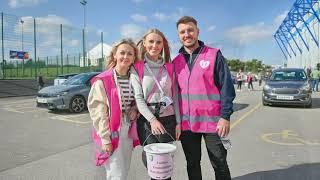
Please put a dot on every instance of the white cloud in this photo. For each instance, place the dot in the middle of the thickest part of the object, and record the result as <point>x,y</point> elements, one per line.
<point>45,25</point>
<point>243,35</point>
<point>73,42</point>
<point>161,16</point>
<point>24,3</point>
<point>211,28</point>
<point>131,31</point>
<point>278,20</point>
<point>48,33</point>
<point>139,18</point>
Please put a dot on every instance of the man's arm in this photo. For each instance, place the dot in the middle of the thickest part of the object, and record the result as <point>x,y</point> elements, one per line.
<point>222,79</point>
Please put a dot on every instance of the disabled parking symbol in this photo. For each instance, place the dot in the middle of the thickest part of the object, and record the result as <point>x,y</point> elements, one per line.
<point>288,138</point>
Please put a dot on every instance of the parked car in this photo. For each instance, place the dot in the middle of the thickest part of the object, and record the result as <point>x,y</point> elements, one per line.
<point>288,86</point>
<point>62,78</point>
<point>72,95</point>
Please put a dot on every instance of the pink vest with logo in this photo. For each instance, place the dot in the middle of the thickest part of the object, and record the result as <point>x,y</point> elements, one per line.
<point>200,104</point>
<point>107,78</point>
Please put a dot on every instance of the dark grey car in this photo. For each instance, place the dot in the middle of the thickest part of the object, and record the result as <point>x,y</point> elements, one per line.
<point>288,86</point>
<point>72,95</point>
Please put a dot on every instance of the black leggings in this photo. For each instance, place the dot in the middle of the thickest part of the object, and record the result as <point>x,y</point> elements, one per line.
<point>239,85</point>
<point>146,137</point>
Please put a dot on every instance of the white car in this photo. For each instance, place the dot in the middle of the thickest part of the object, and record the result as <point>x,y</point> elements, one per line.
<point>62,78</point>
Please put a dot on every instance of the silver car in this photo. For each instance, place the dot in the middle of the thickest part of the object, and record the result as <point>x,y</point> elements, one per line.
<point>72,95</point>
<point>62,78</point>
<point>288,86</point>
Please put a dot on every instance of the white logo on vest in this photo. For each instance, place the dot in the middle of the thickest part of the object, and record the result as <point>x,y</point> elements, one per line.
<point>204,64</point>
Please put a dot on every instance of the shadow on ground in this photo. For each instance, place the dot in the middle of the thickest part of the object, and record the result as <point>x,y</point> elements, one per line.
<point>239,106</point>
<point>296,172</point>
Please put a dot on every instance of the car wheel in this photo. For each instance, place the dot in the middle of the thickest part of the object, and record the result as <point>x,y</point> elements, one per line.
<point>77,104</point>
<point>264,103</point>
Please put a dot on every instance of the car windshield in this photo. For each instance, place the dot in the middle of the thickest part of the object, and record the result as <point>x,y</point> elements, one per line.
<point>78,79</point>
<point>288,76</point>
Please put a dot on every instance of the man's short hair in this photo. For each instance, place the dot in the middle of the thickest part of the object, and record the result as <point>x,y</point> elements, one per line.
<point>186,19</point>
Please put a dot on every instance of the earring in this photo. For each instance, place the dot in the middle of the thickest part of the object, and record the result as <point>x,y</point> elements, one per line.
<point>163,54</point>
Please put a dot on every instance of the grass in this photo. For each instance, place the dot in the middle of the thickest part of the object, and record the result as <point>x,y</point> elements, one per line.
<point>48,72</point>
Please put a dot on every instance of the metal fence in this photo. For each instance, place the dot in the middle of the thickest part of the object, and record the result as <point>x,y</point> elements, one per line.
<point>53,48</point>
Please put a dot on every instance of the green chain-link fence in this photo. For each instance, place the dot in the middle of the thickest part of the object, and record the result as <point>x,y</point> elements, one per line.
<point>53,49</point>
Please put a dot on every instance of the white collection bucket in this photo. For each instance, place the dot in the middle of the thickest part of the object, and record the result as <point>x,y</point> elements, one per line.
<point>160,160</point>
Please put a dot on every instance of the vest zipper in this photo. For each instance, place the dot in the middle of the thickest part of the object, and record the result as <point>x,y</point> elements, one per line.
<point>190,70</point>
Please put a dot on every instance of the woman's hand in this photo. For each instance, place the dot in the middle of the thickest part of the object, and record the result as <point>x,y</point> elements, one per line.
<point>107,148</point>
<point>156,127</point>
<point>178,131</point>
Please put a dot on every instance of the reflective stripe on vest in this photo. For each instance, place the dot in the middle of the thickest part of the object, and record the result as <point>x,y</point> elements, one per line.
<point>215,97</point>
<point>200,103</point>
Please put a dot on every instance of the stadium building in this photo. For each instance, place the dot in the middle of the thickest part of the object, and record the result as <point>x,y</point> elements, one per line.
<point>298,35</point>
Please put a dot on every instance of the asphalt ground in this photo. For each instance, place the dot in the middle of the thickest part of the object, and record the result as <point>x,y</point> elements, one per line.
<point>267,143</point>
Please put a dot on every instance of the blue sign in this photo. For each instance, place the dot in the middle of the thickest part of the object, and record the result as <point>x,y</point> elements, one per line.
<point>19,55</point>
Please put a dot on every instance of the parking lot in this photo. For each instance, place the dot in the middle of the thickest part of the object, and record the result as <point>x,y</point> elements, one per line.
<point>267,143</point>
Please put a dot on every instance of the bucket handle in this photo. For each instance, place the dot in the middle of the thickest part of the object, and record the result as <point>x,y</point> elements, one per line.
<point>156,136</point>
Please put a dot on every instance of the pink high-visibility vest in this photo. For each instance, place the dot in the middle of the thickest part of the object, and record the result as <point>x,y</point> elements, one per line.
<point>139,67</point>
<point>107,78</point>
<point>200,104</point>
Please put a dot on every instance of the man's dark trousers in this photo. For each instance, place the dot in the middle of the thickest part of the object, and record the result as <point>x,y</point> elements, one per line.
<point>191,144</point>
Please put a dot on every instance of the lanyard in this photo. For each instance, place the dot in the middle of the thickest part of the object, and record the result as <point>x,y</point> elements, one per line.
<point>154,78</point>
<point>121,92</point>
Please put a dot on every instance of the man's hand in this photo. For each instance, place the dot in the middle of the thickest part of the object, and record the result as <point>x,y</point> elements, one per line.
<point>223,127</point>
<point>178,131</point>
<point>157,127</point>
<point>107,148</point>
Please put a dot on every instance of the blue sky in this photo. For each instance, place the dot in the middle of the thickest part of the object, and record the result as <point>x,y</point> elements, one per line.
<point>240,28</point>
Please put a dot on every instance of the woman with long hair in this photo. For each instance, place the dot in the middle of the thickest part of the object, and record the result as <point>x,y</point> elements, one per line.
<point>153,84</point>
<point>112,110</point>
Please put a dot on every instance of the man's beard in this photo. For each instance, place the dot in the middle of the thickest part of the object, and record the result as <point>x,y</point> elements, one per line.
<point>191,46</point>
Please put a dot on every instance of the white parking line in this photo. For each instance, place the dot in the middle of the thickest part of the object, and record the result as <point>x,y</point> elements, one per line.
<point>72,119</point>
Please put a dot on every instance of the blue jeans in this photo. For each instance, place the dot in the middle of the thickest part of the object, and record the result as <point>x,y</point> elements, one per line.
<point>315,84</point>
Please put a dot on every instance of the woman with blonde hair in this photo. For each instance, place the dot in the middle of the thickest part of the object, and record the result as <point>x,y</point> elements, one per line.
<point>112,110</point>
<point>153,84</point>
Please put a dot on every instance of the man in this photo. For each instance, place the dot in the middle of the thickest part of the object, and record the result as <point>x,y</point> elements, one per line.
<point>40,81</point>
<point>206,95</point>
<point>315,76</point>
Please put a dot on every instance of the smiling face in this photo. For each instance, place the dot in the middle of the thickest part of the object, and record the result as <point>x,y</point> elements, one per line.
<point>154,45</point>
<point>188,34</point>
<point>124,56</point>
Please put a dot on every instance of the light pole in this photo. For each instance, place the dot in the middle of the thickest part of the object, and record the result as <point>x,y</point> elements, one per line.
<point>21,21</point>
<point>84,3</point>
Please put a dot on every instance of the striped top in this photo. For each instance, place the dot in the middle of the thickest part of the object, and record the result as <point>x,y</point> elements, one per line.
<point>128,97</point>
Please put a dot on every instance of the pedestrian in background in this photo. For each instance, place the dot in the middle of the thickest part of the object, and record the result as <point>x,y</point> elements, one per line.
<point>206,99</point>
<point>260,77</point>
<point>315,76</point>
<point>250,81</point>
<point>40,81</point>
<point>240,78</point>
<point>112,110</point>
